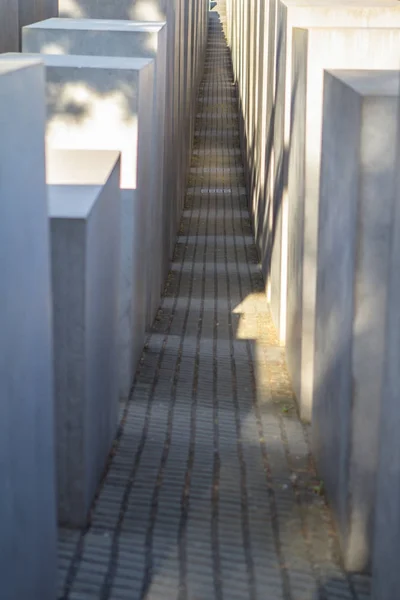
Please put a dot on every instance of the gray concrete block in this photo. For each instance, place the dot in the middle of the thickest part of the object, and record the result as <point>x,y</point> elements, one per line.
<point>257,16</point>
<point>30,11</point>
<point>260,184</point>
<point>176,14</point>
<point>9,26</point>
<point>101,37</point>
<point>88,36</point>
<point>149,11</point>
<point>385,572</point>
<point>359,137</point>
<point>249,84</point>
<point>253,53</point>
<point>27,473</point>
<point>84,212</point>
<point>261,42</point>
<point>129,10</point>
<point>105,103</point>
<point>313,51</point>
<point>290,14</point>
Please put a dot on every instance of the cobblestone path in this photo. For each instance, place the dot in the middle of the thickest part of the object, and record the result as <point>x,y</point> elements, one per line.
<point>211,491</point>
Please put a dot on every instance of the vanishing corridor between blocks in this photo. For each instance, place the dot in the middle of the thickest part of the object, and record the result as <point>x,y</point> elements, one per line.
<point>210,492</point>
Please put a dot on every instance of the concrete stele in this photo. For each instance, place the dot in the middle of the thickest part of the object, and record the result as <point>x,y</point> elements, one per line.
<point>27,473</point>
<point>385,572</point>
<point>9,26</point>
<point>30,11</point>
<point>314,50</point>
<point>102,37</point>
<point>178,30</point>
<point>84,212</point>
<point>105,103</point>
<point>284,15</point>
<point>360,116</point>
<point>251,34</point>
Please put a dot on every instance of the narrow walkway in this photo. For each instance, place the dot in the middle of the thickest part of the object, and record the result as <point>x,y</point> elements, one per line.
<point>211,492</point>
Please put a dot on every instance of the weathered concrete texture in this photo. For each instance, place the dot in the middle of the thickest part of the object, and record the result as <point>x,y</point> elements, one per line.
<point>69,36</point>
<point>260,37</point>
<point>359,141</point>
<point>313,51</point>
<point>259,143</point>
<point>290,14</point>
<point>386,574</point>
<point>105,103</point>
<point>9,26</point>
<point>130,10</point>
<point>251,34</point>
<point>178,97</point>
<point>84,212</point>
<point>98,37</point>
<point>27,474</point>
<point>255,52</point>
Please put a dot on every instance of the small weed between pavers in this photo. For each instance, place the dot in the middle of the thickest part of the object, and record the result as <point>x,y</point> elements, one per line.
<point>319,488</point>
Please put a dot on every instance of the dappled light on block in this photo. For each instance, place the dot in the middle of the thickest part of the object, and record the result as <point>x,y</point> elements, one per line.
<point>77,111</point>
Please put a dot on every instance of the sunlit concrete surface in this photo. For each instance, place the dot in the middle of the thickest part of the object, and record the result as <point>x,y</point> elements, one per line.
<point>314,50</point>
<point>27,473</point>
<point>260,36</point>
<point>105,103</point>
<point>186,34</point>
<point>289,15</point>
<point>103,37</point>
<point>84,214</point>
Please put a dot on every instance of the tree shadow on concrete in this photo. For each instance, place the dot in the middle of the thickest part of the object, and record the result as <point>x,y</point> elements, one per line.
<point>134,10</point>
<point>77,100</point>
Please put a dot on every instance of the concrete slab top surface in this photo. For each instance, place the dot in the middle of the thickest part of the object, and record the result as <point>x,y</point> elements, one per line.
<point>370,83</point>
<point>75,178</point>
<point>8,65</point>
<point>81,61</point>
<point>79,167</point>
<point>99,25</point>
